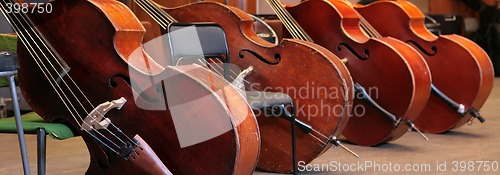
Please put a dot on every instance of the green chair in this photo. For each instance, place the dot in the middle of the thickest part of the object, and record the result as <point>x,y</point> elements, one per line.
<point>29,123</point>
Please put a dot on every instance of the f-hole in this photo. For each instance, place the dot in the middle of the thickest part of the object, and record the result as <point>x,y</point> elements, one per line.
<point>419,47</point>
<point>366,53</point>
<point>277,57</point>
<point>113,83</point>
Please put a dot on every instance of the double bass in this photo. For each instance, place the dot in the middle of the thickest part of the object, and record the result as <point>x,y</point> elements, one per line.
<point>462,73</point>
<point>321,107</point>
<point>392,79</point>
<point>83,64</point>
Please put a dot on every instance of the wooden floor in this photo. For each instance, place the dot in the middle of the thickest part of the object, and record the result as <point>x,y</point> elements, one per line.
<point>471,149</point>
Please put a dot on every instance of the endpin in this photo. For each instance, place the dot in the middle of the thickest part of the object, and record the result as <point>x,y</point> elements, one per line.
<point>336,142</point>
<point>476,114</point>
<point>412,126</point>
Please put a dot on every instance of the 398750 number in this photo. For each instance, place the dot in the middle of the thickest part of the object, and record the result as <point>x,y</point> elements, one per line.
<point>25,8</point>
<point>469,166</point>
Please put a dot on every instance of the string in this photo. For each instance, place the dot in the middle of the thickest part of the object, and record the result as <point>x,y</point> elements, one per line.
<point>157,8</point>
<point>33,51</point>
<point>152,13</point>
<point>156,13</point>
<point>35,56</point>
<point>298,32</point>
<point>365,25</point>
<point>219,67</point>
<point>49,49</point>
<point>160,16</point>
<point>55,55</point>
<point>369,28</point>
<point>290,23</point>
<point>286,21</point>
<point>44,68</point>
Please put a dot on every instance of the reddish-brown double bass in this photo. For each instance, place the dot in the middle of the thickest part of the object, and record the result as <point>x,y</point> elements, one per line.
<point>462,73</point>
<point>317,82</point>
<point>80,64</point>
<point>395,77</point>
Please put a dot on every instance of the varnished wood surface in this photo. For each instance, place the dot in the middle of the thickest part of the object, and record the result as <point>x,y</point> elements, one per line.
<point>248,6</point>
<point>112,77</point>
<point>402,90</point>
<point>469,86</point>
<point>468,143</point>
<point>300,64</point>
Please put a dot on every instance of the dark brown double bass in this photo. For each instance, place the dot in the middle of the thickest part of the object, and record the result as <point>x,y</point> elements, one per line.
<point>83,63</point>
<point>316,80</point>
<point>392,79</point>
<point>462,73</point>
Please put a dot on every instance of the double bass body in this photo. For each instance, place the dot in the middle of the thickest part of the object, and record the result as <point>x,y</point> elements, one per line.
<point>316,80</point>
<point>103,65</point>
<point>460,68</point>
<point>396,73</point>
<point>96,40</point>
